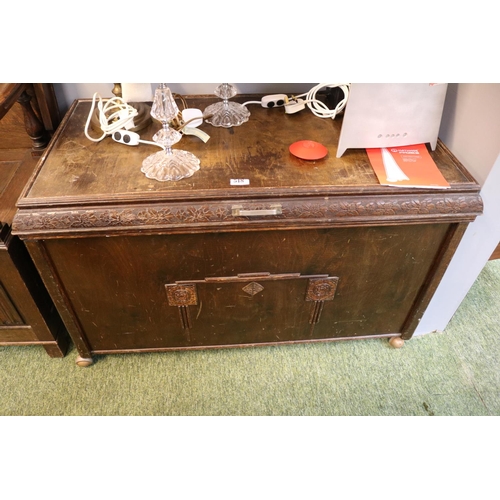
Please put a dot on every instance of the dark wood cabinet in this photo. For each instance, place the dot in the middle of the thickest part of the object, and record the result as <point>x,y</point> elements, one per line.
<point>28,116</point>
<point>27,313</point>
<point>300,252</point>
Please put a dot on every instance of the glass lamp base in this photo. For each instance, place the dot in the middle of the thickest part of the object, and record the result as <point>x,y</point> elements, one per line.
<point>173,166</point>
<point>226,114</point>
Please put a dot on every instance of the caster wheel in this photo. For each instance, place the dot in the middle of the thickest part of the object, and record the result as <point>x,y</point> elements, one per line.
<point>83,362</point>
<point>397,342</point>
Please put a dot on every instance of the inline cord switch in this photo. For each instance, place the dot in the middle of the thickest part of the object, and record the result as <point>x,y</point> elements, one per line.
<point>131,138</point>
<point>270,101</point>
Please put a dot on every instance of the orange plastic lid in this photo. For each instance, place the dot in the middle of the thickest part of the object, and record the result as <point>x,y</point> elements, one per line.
<point>308,150</point>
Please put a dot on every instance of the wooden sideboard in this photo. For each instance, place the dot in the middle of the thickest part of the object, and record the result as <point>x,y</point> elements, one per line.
<point>256,248</point>
<point>28,117</point>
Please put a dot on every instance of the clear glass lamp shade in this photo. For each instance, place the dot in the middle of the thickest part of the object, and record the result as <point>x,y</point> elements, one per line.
<point>164,108</point>
<point>226,113</point>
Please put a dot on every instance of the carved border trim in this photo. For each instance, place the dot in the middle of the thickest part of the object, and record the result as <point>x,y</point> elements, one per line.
<point>342,209</point>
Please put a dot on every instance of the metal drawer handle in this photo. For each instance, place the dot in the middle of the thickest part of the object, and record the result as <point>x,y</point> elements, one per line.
<point>238,211</point>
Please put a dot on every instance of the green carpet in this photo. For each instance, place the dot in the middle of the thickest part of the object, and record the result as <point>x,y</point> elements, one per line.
<point>455,372</point>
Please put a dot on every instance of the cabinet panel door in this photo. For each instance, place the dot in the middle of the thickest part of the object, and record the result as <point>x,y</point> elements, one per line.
<point>8,312</point>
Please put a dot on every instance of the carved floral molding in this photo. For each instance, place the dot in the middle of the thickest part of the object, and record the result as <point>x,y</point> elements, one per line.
<point>368,208</point>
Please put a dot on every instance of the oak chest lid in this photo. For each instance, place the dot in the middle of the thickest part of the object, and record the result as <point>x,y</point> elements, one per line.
<point>247,164</point>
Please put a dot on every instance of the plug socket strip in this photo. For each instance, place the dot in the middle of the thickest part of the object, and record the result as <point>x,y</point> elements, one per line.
<point>126,137</point>
<point>273,101</point>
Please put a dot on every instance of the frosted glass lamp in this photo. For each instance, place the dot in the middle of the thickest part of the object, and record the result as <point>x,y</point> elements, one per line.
<point>169,164</point>
<point>226,113</point>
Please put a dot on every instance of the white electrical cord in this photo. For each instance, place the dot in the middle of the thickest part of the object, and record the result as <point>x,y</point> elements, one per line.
<point>115,115</point>
<point>318,107</point>
<point>118,116</point>
<point>252,102</point>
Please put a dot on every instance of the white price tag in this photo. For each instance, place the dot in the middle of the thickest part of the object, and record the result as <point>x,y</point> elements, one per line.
<point>240,182</point>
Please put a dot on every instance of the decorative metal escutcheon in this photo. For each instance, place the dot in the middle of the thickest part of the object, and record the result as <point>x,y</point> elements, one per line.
<point>321,289</point>
<point>253,288</point>
<point>181,295</point>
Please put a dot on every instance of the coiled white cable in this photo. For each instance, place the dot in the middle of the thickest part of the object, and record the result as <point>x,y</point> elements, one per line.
<point>318,107</point>
<point>114,115</point>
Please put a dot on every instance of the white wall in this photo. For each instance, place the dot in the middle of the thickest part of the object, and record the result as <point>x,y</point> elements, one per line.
<point>471,129</point>
<point>67,92</point>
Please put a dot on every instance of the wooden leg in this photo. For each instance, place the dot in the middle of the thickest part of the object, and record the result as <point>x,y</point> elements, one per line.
<point>59,348</point>
<point>55,350</point>
<point>34,127</point>
<point>396,342</point>
<point>83,362</point>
